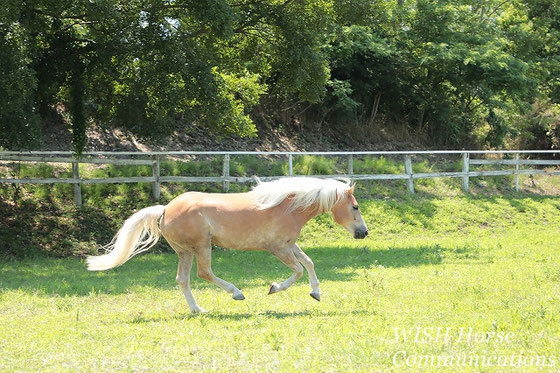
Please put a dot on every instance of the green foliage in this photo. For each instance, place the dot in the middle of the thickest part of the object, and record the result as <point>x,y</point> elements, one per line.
<point>19,122</point>
<point>77,110</point>
<point>247,165</point>
<point>155,68</point>
<point>498,130</point>
<point>540,128</point>
<point>310,165</point>
<point>443,68</point>
<point>453,73</point>
<point>378,165</point>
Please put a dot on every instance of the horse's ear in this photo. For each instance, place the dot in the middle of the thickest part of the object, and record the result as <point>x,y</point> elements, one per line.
<point>351,190</point>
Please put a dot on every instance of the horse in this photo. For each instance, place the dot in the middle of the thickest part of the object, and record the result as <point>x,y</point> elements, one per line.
<point>269,217</point>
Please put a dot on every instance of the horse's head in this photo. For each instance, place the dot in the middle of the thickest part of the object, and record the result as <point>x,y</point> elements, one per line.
<point>347,213</point>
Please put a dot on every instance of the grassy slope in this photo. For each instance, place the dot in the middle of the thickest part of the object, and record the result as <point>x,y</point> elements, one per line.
<point>438,259</point>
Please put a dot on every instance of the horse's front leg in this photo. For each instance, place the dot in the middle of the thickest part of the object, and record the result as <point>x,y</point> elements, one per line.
<point>310,267</point>
<point>287,256</point>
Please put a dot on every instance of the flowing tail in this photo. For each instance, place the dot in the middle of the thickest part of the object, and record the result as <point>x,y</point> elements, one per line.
<point>139,233</point>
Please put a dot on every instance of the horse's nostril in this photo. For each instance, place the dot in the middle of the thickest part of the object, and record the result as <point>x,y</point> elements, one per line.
<point>360,233</point>
<point>367,232</point>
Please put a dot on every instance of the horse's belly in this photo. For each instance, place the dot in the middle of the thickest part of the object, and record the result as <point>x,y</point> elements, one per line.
<point>254,240</point>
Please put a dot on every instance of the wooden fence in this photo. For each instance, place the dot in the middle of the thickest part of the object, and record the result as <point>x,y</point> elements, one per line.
<point>153,159</point>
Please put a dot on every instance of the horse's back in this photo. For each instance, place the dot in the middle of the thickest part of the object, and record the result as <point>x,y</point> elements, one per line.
<point>195,201</point>
<point>195,216</point>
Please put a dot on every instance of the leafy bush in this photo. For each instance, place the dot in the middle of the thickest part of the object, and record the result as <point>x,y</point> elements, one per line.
<point>19,122</point>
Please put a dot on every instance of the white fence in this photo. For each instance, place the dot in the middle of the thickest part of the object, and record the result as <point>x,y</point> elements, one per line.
<point>154,158</point>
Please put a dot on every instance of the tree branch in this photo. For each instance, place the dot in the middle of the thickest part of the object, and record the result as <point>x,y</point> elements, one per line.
<point>82,17</point>
<point>497,8</point>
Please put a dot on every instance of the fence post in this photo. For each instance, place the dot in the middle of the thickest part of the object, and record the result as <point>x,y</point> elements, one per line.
<point>290,165</point>
<point>517,172</point>
<point>156,186</point>
<point>350,164</point>
<point>408,171</point>
<point>225,173</point>
<point>465,183</point>
<point>77,186</point>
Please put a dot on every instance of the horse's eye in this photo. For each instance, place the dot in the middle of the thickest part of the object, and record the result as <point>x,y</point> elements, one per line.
<point>355,207</point>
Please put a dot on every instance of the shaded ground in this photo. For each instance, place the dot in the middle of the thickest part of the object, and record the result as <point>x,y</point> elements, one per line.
<point>57,136</point>
<point>67,277</point>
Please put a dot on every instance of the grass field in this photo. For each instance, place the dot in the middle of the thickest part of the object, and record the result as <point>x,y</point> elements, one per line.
<point>485,269</point>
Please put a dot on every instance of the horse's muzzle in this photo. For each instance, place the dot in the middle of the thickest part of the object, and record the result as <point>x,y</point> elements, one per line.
<point>361,233</point>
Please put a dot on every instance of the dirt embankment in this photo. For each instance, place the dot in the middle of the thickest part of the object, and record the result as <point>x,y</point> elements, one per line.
<point>57,136</point>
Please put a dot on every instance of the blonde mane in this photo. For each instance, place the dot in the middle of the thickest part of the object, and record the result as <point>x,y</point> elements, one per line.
<point>303,192</point>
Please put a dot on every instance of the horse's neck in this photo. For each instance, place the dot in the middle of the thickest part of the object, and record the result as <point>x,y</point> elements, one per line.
<point>303,216</point>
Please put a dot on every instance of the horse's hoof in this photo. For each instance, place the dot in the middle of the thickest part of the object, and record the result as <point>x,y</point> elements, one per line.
<point>238,296</point>
<point>273,288</point>
<point>198,310</point>
<point>316,296</point>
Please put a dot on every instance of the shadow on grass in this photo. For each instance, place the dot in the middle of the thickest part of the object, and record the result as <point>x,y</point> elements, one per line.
<point>217,315</point>
<point>522,202</point>
<point>331,263</point>
<point>69,277</point>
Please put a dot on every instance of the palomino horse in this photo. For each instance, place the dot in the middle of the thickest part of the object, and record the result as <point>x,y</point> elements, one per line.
<point>270,217</point>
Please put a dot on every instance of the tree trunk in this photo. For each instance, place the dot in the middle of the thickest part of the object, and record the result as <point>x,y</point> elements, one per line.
<point>374,108</point>
<point>420,123</point>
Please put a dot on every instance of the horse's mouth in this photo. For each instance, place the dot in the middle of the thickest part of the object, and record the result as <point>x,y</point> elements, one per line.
<point>360,235</point>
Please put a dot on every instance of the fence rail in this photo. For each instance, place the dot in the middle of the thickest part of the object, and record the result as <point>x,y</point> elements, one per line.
<point>154,158</point>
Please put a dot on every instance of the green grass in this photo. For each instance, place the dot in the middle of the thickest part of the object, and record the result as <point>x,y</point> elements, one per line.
<point>487,262</point>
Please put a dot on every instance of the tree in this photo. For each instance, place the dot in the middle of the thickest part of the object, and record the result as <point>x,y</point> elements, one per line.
<point>156,67</point>
<point>19,122</point>
<point>456,73</point>
<point>442,67</point>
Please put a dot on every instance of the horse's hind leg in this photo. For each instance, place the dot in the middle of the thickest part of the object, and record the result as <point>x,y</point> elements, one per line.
<point>203,262</point>
<point>287,257</point>
<point>184,280</point>
<point>310,267</point>
<point>184,275</point>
